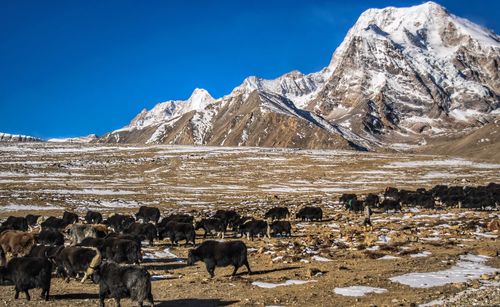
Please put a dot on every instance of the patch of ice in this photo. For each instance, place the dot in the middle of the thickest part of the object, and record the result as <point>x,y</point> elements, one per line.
<point>164,254</point>
<point>421,255</point>
<point>320,259</point>
<point>358,290</point>
<point>469,267</point>
<point>15,207</point>
<point>447,163</point>
<point>289,282</point>
<point>388,257</point>
<point>485,235</point>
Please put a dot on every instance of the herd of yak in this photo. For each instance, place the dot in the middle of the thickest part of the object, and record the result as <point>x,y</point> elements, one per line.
<point>109,251</point>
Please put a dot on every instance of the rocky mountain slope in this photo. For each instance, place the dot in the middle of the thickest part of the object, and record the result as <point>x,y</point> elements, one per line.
<point>401,77</point>
<point>6,137</point>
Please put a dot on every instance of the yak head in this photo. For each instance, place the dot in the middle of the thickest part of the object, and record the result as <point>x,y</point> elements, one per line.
<point>193,257</point>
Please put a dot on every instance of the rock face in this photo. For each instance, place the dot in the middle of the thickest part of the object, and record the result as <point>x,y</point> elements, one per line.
<point>5,137</point>
<point>400,76</point>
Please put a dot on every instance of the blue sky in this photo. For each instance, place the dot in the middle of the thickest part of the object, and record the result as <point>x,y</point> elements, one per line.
<point>71,68</point>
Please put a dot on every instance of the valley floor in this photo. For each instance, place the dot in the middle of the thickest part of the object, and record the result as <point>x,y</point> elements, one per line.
<point>448,247</point>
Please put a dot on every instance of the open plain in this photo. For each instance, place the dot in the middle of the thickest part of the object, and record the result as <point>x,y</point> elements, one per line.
<point>452,249</point>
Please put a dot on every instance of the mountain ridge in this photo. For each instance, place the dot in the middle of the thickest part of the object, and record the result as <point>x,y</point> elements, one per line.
<point>401,75</point>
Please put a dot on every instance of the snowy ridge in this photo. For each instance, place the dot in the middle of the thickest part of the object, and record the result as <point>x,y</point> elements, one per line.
<point>171,109</point>
<point>84,139</point>
<point>6,137</point>
<point>295,86</point>
<point>400,74</point>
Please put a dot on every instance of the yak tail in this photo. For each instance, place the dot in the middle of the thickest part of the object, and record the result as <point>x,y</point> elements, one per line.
<point>3,258</point>
<point>94,263</point>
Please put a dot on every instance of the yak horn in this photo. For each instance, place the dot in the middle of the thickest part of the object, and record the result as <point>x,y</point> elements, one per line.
<point>96,261</point>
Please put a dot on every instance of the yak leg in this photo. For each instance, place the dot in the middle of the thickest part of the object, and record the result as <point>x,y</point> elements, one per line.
<point>118,304</point>
<point>210,268</point>
<point>27,295</point>
<point>248,266</point>
<point>235,269</point>
<point>102,296</point>
<point>47,290</point>
<point>16,296</point>
<point>150,299</point>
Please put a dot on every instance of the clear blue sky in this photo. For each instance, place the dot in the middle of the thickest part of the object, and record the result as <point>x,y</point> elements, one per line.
<point>70,68</point>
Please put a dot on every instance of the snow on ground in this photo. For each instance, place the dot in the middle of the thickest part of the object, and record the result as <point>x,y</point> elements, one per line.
<point>459,295</point>
<point>388,257</point>
<point>164,254</point>
<point>15,207</point>
<point>289,282</point>
<point>358,290</point>
<point>447,162</point>
<point>320,259</point>
<point>421,255</point>
<point>468,267</point>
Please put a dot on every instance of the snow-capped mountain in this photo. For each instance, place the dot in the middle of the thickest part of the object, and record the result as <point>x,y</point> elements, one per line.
<point>401,75</point>
<point>410,71</point>
<point>82,139</point>
<point>6,137</point>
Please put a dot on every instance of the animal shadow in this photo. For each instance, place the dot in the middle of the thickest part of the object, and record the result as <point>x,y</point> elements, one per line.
<point>195,302</point>
<point>262,272</point>
<point>74,296</point>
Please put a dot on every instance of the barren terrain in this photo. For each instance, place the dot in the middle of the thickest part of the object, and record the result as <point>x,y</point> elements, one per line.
<point>330,255</point>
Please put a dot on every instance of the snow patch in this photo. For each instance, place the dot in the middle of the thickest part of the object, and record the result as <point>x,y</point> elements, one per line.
<point>468,267</point>
<point>358,290</point>
<point>289,282</point>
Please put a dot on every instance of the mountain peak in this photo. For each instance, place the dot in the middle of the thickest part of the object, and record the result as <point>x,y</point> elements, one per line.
<point>200,93</point>
<point>200,99</point>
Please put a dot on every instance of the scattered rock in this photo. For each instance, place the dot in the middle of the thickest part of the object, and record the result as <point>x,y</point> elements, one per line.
<point>487,251</point>
<point>494,225</point>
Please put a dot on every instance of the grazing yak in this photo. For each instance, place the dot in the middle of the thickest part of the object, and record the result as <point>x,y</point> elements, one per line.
<point>123,281</point>
<point>146,231</point>
<point>391,204</point>
<point>78,232</point>
<point>281,228</point>
<point>73,260</point>
<point>253,228</point>
<point>50,237</point>
<point>178,231</point>
<point>310,214</point>
<point>52,222</point>
<point>43,251</point>
<point>15,223</point>
<point>118,222</point>
<point>116,249</point>
<point>212,226</point>
<point>31,219</point>
<point>148,214</point>
<point>122,250</point>
<point>70,217</point>
<point>125,237</point>
<point>93,217</point>
<point>228,217</point>
<point>27,273</point>
<point>372,200</point>
<point>277,213</point>
<point>220,254</point>
<point>16,243</point>
<point>180,218</point>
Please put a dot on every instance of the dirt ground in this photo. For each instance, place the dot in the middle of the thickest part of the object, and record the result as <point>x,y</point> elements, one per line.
<point>337,252</point>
